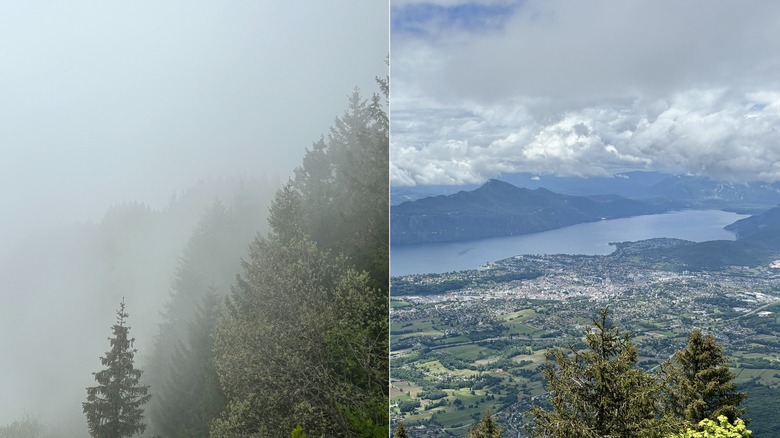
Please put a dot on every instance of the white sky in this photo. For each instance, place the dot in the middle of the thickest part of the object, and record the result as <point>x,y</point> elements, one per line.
<point>584,88</point>
<point>103,102</point>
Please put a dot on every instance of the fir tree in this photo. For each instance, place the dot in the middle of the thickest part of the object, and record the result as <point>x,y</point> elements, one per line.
<point>486,428</point>
<point>114,408</point>
<point>699,384</point>
<point>598,392</point>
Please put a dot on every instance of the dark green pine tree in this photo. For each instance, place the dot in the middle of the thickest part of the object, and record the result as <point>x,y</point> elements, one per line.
<point>114,408</point>
<point>486,428</point>
<point>699,384</point>
<point>599,391</point>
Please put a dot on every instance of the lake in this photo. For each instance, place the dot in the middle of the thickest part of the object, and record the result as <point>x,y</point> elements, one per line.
<point>589,238</point>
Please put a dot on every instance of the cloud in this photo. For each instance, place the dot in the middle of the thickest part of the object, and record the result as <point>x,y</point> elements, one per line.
<point>700,131</point>
<point>589,89</point>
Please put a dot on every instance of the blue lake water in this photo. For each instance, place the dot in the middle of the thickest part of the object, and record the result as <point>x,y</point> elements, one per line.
<point>589,238</point>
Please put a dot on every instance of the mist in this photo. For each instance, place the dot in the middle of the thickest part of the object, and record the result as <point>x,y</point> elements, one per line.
<point>67,283</point>
<point>120,125</point>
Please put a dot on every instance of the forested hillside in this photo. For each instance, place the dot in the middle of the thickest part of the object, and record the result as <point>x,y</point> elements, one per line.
<point>253,314</point>
<point>304,338</point>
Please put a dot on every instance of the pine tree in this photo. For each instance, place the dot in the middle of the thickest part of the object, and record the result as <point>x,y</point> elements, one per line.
<point>486,428</point>
<point>699,384</point>
<point>598,392</point>
<point>114,408</point>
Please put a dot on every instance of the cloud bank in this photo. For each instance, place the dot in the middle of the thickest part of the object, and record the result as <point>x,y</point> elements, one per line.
<point>587,90</point>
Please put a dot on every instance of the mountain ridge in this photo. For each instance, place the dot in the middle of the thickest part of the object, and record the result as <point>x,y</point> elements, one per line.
<point>498,208</point>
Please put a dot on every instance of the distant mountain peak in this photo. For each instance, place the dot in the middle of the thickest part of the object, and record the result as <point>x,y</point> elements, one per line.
<point>492,182</point>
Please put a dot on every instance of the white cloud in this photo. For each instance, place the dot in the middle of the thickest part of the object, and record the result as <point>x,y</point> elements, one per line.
<point>588,89</point>
<point>700,132</point>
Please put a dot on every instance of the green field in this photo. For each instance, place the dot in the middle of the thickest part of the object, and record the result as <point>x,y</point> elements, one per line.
<point>473,355</point>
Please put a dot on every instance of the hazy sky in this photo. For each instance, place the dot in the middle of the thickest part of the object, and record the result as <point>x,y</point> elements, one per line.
<point>103,102</point>
<point>584,88</point>
<point>107,102</point>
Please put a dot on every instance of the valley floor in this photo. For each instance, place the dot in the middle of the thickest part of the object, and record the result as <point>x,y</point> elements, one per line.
<point>469,341</point>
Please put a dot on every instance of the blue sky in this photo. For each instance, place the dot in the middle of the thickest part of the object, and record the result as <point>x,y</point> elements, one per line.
<point>416,18</point>
<point>583,89</point>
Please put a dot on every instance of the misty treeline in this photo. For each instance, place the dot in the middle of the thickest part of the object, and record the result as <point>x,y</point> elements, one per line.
<point>62,287</point>
<point>301,339</point>
<point>272,322</point>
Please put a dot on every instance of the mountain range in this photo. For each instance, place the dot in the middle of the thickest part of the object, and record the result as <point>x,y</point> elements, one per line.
<point>692,191</point>
<point>498,208</point>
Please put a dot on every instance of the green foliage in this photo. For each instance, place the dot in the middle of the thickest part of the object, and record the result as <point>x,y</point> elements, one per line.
<point>114,408</point>
<point>761,408</point>
<point>315,355</point>
<point>237,416</point>
<point>599,391</point>
<point>699,384</point>
<point>716,429</point>
<point>298,433</point>
<point>304,340</point>
<point>486,428</point>
<point>411,405</point>
<point>362,422</point>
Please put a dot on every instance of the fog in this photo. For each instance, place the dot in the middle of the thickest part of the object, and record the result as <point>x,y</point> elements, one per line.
<point>120,124</point>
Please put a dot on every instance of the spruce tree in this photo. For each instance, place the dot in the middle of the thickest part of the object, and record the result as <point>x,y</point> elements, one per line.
<point>600,391</point>
<point>114,408</point>
<point>699,384</point>
<point>486,428</point>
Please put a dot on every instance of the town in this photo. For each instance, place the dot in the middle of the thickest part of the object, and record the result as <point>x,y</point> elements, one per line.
<point>468,341</point>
